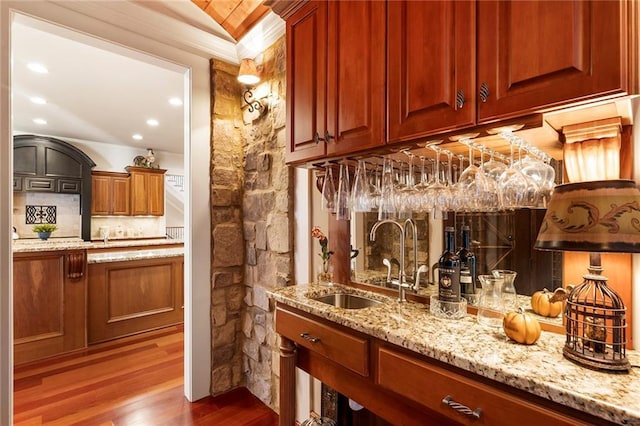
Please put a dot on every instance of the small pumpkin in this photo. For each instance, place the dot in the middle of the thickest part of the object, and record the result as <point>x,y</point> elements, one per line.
<point>542,304</point>
<point>521,327</point>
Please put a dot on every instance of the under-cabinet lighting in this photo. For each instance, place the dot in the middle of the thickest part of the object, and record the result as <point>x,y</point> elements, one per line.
<point>38,100</point>
<point>175,101</point>
<point>40,121</point>
<point>137,137</point>
<point>152,122</point>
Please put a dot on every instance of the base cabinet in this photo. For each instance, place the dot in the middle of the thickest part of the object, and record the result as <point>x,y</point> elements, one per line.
<point>401,386</point>
<point>130,297</point>
<point>49,304</point>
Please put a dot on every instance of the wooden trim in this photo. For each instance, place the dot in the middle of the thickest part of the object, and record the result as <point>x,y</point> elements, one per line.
<point>285,8</point>
<point>287,382</point>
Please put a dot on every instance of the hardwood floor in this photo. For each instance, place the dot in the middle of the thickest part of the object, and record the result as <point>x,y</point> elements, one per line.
<point>132,381</point>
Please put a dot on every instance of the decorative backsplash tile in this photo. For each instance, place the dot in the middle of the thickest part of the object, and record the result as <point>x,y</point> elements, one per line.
<point>40,214</point>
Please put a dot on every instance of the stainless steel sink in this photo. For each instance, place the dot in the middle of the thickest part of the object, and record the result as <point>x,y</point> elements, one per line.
<point>347,301</point>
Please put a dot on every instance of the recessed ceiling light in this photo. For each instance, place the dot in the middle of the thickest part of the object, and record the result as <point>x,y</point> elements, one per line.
<point>40,121</point>
<point>37,100</point>
<point>175,101</point>
<point>39,68</point>
<point>152,122</point>
<point>137,137</point>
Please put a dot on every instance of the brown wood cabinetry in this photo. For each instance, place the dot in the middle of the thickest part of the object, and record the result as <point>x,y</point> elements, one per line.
<point>49,304</point>
<point>449,65</point>
<point>335,78</point>
<point>400,386</point>
<point>455,64</point>
<point>129,297</point>
<point>110,194</point>
<point>147,191</point>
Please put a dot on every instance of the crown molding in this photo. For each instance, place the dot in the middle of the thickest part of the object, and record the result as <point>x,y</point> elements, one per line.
<point>261,36</point>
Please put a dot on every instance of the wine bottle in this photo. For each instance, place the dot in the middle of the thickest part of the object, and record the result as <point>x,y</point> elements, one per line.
<point>449,269</point>
<point>468,269</point>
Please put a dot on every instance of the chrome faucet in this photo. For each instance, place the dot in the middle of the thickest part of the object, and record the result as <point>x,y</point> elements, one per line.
<point>372,236</point>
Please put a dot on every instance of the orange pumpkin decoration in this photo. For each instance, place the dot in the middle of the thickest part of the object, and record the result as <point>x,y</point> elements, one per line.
<point>542,305</point>
<point>521,327</point>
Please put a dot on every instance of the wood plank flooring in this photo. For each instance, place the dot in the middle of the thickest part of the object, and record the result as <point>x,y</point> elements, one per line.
<point>132,381</point>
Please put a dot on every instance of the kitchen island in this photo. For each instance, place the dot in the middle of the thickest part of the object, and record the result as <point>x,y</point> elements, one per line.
<point>69,293</point>
<point>398,357</point>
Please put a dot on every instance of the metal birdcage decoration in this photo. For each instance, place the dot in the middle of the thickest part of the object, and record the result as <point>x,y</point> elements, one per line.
<point>596,325</point>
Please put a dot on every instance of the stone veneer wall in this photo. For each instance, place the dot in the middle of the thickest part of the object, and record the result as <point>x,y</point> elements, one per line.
<point>252,217</point>
<point>226,224</point>
<point>268,225</point>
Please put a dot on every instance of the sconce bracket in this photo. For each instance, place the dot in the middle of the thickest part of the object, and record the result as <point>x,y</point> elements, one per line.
<point>254,104</point>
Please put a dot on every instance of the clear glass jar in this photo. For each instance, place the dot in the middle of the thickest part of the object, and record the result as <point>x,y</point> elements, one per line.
<point>490,304</point>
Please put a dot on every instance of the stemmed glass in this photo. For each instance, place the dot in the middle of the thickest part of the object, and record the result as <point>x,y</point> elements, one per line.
<point>328,190</point>
<point>472,184</point>
<point>437,188</point>
<point>361,195</point>
<point>343,198</point>
<point>387,206</point>
<point>515,188</point>
<point>422,203</point>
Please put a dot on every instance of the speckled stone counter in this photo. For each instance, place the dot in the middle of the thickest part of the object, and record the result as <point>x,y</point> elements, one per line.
<point>539,369</point>
<point>52,244</point>
<point>128,255</point>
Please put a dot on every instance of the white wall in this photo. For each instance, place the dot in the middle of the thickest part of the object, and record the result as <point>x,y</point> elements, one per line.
<point>141,29</point>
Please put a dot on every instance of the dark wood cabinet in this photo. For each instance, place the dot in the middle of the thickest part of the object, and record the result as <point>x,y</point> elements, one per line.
<point>534,54</point>
<point>431,67</point>
<point>133,296</point>
<point>49,304</point>
<point>335,78</point>
<point>401,386</point>
<point>453,65</point>
<point>147,191</point>
<point>111,194</point>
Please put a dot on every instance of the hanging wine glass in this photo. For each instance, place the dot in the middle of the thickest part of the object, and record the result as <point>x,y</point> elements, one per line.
<point>360,195</point>
<point>343,197</point>
<point>421,188</point>
<point>387,206</point>
<point>375,182</point>
<point>472,184</point>
<point>436,188</point>
<point>328,190</point>
<point>515,188</point>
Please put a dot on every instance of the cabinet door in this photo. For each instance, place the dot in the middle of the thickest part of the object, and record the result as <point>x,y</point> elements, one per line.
<point>306,82</point>
<point>534,54</point>
<point>156,194</point>
<point>100,195</point>
<point>431,67</point>
<point>121,196</point>
<point>356,76</point>
<point>139,193</point>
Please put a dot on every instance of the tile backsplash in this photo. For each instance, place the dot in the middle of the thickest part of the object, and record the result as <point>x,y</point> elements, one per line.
<point>69,221</point>
<point>66,217</point>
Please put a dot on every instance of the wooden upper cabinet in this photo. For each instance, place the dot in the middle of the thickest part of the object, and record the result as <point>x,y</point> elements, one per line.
<point>431,67</point>
<point>147,191</point>
<point>534,54</point>
<point>110,194</point>
<point>356,76</point>
<point>306,81</point>
<point>335,78</point>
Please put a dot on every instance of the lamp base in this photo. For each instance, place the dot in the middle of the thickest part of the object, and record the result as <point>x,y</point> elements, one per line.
<point>609,365</point>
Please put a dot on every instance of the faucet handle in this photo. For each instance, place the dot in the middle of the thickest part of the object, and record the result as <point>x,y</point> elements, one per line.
<point>423,269</point>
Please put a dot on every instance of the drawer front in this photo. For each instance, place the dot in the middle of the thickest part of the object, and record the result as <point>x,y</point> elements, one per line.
<point>429,384</point>
<point>350,351</point>
<point>39,184</point>
<point>69,186</point>
<point>17,184</point>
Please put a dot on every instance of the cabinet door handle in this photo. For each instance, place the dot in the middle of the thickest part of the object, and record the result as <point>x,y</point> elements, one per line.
<point>460,99</point>
<point>327,136</point>
<point>308,337</point>
<point>317,138</point>
<point>484,92</point>
<point>463,409</point>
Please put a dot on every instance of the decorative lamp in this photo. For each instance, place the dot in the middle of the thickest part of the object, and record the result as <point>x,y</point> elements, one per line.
<point>248,75</point>
<point>595,216</point>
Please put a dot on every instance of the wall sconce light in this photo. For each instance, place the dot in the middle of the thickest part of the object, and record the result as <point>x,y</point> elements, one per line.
<point>248,75</point>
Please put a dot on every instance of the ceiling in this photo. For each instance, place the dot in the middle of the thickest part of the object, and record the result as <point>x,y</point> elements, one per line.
<point>102,92</point>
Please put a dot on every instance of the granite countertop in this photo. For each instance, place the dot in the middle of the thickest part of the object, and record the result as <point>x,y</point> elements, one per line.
<point>539,369</point>
<point>52,244</point>
<point>128,255</point>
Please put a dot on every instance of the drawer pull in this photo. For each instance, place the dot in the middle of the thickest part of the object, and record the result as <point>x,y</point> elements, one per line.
<point>306,336</point>
<point>462,408</point>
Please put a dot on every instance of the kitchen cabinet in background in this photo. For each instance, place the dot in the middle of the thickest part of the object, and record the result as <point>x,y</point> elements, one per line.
<point>147,191</point>
<point>110,194</point>
<point>335,78</point>
<point>49,303</point>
